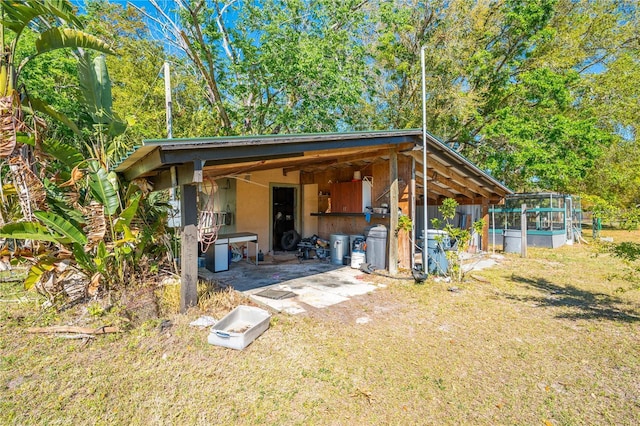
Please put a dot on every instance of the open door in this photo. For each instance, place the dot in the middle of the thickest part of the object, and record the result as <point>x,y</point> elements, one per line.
<point>283,210</point>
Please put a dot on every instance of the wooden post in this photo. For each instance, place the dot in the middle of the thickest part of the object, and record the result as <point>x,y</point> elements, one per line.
<point>189,248</point>
<point>485,227</point>
<point>393,214</point>
<point>523,231</point>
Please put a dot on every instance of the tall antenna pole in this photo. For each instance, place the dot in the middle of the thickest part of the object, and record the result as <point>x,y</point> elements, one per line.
<point>169,112</point>
<point>425,244</point>
<point>167,97</point>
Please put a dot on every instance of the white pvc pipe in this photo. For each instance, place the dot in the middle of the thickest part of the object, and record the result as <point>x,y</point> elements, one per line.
<point>425,251</point>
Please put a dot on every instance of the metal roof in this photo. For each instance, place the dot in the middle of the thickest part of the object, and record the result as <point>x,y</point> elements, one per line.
<point>449,173</point>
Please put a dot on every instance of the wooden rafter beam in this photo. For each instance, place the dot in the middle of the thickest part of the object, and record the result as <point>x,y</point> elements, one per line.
<point>449,172</point>
<point>457,178</point>
<point>451,184</point>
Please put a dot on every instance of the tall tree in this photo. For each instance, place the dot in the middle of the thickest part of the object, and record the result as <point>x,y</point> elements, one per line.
<point>273,65</point>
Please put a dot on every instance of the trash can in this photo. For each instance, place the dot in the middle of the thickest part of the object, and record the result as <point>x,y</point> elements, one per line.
<point>376,240</point>
<point>437,242</point>
<point>512,240</point>
<point>339,244</point>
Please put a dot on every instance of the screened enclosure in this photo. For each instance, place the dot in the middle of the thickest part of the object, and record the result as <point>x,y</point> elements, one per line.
<point>552,219</point>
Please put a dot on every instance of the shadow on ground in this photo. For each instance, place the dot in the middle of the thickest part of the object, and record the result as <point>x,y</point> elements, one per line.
<point>586,305</point>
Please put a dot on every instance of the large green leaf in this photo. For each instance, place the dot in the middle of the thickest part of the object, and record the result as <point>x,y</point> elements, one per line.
<point>41,106</point>
<point>28,231</point>
<point>103,191</point>
<point>104,86</point>
<point>36,271</point>
<point>125,217</point>
<point>62,226</point>
<point>95,86</point>
<point>18,14</point>
<point>59,38</point>
<point>83,259</point>
<point>63,152</point>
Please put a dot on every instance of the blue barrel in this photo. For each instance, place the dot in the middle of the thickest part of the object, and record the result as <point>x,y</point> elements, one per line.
<point>437,242</point>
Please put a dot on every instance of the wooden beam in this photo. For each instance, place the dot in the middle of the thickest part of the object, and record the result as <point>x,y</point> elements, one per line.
<point>393,214</point>
<point>145,165</point>
<point>485,227</point>
<point>451,173</point>
<point>163,180</point>
<point>340,158</point>
<point>432,187</point>
<point>189,248</point>
<point>315,162</point>
<point>450,183</point>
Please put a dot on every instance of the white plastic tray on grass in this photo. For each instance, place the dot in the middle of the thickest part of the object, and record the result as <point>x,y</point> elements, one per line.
<point>240,327</point>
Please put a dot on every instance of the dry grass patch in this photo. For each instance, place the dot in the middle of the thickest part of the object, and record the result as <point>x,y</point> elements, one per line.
<point>544,340</point>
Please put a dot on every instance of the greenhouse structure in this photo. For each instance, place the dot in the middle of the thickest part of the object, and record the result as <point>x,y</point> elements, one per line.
<point>552,220</point>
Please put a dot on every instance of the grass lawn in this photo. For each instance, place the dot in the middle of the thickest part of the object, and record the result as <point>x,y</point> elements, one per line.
<point>548,340</point>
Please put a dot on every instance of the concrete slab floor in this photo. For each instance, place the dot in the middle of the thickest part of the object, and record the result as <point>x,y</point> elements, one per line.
<point>314,282</point>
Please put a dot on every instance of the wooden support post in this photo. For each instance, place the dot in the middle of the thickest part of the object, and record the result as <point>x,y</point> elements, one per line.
<point>485,228</point>
<point>393,214</point>
<point>523,231</point>
<point>189,248</point>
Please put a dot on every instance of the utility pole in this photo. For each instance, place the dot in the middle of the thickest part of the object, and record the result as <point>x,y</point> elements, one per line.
<point>425,251</point>
<point>167,98</point>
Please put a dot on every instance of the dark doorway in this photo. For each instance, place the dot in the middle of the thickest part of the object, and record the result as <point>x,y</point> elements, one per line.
<point>283,209</point>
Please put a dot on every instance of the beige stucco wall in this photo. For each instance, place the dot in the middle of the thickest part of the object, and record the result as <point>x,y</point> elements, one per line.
<point>309,205</point>
<point>253,203</point>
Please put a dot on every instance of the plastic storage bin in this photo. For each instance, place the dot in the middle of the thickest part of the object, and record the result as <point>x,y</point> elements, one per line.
<point>239,327</point>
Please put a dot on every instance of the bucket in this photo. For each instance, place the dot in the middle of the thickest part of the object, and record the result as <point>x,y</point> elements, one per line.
<point>339,244</point>
<point>357,259</point>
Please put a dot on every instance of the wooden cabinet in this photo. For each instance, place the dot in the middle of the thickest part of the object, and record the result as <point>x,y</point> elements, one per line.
<point>350,197</point>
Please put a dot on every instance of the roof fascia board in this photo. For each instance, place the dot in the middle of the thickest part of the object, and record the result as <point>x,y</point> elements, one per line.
<point>150,162</point>
<point>279,139</point>
<point>220,153</point>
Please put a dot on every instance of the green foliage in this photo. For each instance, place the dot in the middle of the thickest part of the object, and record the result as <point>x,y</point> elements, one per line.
<point>535,131</point>
<point>104,191</point>
<point>58,224</point>
<point>459,238</point>
<point>626,250</point>
<point>629,252</point>
<point>405,223</point>
<point>52,26</point>
<point>29,231</point>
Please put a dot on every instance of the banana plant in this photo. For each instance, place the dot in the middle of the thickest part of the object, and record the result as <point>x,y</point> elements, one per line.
<point>105,256</point>
<point>57,28</point>
<point>95,90</point>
